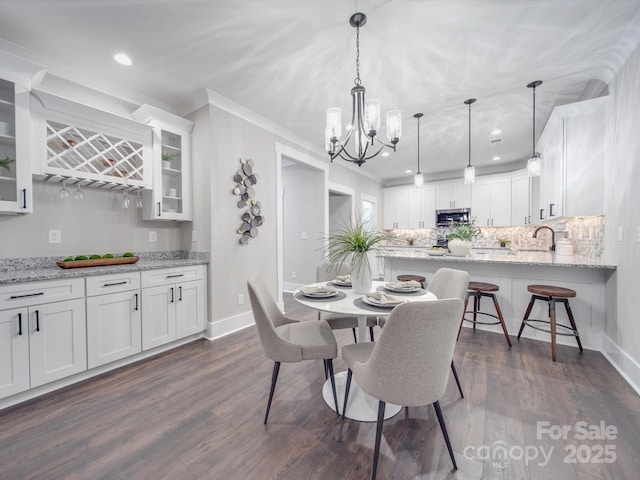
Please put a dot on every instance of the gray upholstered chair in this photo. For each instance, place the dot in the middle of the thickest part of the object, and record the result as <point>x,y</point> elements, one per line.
<point>447,283</point>
<point>409,364</point>
<point>325,273</point>
<point>284,339</point>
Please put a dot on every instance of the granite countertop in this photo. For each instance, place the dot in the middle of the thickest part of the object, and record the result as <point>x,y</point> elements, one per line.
<point>33,269</point>
<point>513,257</point>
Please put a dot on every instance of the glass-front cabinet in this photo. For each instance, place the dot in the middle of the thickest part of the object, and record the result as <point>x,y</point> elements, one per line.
<point>171,197</point>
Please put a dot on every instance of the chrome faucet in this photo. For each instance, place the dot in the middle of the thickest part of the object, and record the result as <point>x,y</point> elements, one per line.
<point>553,236</point>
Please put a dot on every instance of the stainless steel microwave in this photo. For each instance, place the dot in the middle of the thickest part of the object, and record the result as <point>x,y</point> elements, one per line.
<point>456,215</point>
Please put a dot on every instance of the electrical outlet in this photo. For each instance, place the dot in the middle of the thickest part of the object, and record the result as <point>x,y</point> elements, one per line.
<point>638,234</point>
<point>153,236</point>
<point>55,236</point>
<point>303,236</point>
<point>620,233</point>
<point>193,236</point>
<point>240,299</point>
<point>293,275</point>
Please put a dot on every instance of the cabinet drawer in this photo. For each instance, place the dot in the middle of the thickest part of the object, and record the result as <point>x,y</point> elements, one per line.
<point>35,293</point>
<point>113,283</point>
<point>166,276</point>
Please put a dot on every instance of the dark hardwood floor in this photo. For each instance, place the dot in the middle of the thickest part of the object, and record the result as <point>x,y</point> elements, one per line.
<point>196,413</point>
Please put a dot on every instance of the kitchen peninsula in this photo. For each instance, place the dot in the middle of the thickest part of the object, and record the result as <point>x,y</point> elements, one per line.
<point>512,271</point>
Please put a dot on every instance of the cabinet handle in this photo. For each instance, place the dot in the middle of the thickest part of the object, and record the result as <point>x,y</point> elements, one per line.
<point>172,297</point>
<point>19,324</point>
<point>525,219</point>
<point>37,320</point>
<point>24,198</point>
<point>180,293</point>
<point>159,209</point>
<point>13,297</point>
<point>114,284</point>
<point>551,207</point>
<point>136,307</point>
<point>529,219</point>
<point>176,275</point>
<point>542,214</point>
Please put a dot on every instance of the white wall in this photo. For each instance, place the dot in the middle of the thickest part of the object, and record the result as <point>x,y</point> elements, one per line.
<point>622,199</point>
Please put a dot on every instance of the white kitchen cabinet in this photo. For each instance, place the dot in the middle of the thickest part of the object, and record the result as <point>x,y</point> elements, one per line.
<point>409,207</point>
<point>396,214</point>
<point>453,195</point>
<point>491,201</point>
<point>521,199</point>
<point>16,77</point>
<point>171,196</point>
<point>49,318</point>
<point>114,321</point>
<point>173,304</point>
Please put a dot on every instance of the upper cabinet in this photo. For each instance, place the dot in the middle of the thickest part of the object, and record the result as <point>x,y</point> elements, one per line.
<point>16,78</point>
<point>78,141</point>
<point>452,195</point>
<point>521,198</point>
<point>171,195</point>
<point>491,201</point>
<point>572,151</point>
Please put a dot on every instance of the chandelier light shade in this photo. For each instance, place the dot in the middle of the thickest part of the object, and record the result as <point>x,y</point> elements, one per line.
<point>533,164</point>
<point>469,171</point>
<point>418,179</point>
<point>365,119</point>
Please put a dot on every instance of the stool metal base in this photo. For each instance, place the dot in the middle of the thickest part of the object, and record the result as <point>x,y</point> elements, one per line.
<point>477,296</point>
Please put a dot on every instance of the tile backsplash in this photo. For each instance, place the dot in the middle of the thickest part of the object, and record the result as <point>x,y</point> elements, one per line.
<point>585,233</point>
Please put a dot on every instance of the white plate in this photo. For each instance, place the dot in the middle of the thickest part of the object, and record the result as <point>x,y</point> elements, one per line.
<point>342,284</point>
<point>320,294</point>
<point>439,252</point>
<point>373,302</point>
<point>402,290</point>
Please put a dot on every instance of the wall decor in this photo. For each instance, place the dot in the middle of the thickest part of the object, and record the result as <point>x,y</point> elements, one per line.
<point>245,179</point>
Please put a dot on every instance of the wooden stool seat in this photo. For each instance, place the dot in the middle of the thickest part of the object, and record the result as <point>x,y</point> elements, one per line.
<point>551,291</point>
<point>477,290</point>
<point>407,278</point>
<point>483,287</point>
<point>552,295</point>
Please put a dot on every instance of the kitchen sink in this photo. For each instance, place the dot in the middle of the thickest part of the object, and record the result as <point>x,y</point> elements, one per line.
<point>493,251</point>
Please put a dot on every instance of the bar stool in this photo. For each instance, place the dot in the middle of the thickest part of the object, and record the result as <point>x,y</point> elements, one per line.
<point>551,295</point>
<point>406,278</point>
<point>477,290</point>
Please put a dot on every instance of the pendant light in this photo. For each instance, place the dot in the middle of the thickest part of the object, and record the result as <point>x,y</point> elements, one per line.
<point>533,164</point>
<point>418,179</point>
<point>365,119</point>
<point>469,171</point>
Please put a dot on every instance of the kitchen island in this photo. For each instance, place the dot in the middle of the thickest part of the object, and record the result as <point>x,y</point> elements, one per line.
<point>512,271</point>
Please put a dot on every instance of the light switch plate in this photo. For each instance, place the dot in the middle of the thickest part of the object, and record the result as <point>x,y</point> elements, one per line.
<point>55,236</point>
<point>620,233</point>
<point>153,236</point>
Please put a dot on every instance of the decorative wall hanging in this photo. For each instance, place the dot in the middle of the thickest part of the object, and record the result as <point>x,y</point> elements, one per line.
<point>252,218</point>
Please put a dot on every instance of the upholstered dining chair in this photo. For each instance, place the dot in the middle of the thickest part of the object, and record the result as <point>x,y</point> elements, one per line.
<point>325,273</point>
<point>284,339</point>
<point>409,364</point>
<point>447,283</point>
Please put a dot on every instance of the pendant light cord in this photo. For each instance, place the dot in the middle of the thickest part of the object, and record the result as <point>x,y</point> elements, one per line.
<point>357,80</point>
<point>533,139</point>
<point>469,164</point>
<point>418,145</point>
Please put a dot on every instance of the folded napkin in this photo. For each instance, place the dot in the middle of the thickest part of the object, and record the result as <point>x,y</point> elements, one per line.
<point>384,299</point>
<point>317,290</point>
<point>343,278</point>
<point>408,285</point>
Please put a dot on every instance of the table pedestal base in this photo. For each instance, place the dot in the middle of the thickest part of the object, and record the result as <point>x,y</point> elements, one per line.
<point>362,406</point>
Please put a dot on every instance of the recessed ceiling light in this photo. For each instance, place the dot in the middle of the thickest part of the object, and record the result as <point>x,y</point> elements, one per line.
<point>496,158</point>
<point>408,171</point>
<point>385,154</point>
<point>496,131</point>
<point>122,59</point>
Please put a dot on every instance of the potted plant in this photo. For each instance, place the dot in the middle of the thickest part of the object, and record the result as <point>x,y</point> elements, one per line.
<point>6,163</point>
<point>167,160</point>
<point>354,243</point>
<point>503,241</point>
<point>410,239</point>
<point>460,237</point>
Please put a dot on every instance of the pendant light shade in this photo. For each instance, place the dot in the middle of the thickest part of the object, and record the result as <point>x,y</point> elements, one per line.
<point>469,171</point>
<point>533,164</point>
<point>418,179</point>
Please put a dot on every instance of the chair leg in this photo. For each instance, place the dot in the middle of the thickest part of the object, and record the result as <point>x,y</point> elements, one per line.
<point>476,308</point>
<point>501,318</point>
<point>346,391</point>
<point>355,337</point>
<point>326,371</point>
<point>371,333</point>
<point>274,379</point>
<point>464,311</point>
<point>333,384</point>
<point>443,427</point>
<point>552,319</point>
<point>455,375</point>
<point>376,451</point>
<point>526,315</point>
<point>573,323</point>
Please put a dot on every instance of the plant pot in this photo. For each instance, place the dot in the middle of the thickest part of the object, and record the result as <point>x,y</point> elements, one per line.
<point>361,281</point>
<point>459,248</point>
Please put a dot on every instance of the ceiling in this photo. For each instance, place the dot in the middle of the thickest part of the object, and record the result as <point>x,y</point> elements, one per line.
<point>288,60</point>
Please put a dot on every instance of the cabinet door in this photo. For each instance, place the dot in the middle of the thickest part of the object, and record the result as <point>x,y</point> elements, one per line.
<point>520,200</point>
<point>190,308</point>
<point>388,209</point>
<point>57,341</point>
<point>461,195</point>
<point>14,352</point>
<point>551,148</point>
<point>158,316</point>
<point>428,207</point>
<point>396,213</point>
<point>501,202</point>
<point>114,328</point>
<point>444,196</point>
<point>481,205</point>
<point>414,208</point>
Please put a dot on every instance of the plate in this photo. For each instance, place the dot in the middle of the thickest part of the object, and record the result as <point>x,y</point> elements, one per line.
<point>320,294</point>
<point>437,252</point>
<point>402,290</point>
<point>373,302</point>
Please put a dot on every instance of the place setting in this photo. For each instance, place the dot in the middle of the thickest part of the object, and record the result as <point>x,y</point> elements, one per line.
<point>342,281</point>
<point>320,293</point>
<point>378,300</point>
<point>410,287</point>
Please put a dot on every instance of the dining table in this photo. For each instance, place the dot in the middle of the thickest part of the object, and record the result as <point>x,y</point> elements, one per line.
<point>345,301</point>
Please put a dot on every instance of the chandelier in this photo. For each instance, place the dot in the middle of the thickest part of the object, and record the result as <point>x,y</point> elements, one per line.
<point>365,119</point>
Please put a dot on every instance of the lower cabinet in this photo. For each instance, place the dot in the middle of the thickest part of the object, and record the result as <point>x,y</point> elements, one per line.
<point>172,304</point>
<point>114,326</point>
<point>14,352</point>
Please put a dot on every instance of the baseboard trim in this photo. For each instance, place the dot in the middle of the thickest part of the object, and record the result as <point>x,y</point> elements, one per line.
<point>229,325</point>
<point>622,362</point>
